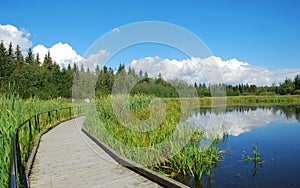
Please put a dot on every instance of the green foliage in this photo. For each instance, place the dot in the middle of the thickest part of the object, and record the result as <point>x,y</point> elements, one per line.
<point>106,78</point>
<point>28,78</point>
<point>256,155</point>
<point>297,82</point>
<point>13,111</point>
<point>30,57</point>
<point>169,88</point>
<point>261,100</point>
<point>287,87</point>
<point>191,159</point>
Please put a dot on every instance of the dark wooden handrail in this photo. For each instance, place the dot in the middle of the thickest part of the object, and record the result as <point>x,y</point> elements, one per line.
<point>18,175</point>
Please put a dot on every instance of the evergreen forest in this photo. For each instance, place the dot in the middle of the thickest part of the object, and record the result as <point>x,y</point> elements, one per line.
<point>29,76</point>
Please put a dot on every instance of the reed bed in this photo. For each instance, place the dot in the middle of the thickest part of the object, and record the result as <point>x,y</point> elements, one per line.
<point>276,99</point>
<point>157,148</point>
<point>249,100</point>
<point>13,111</point>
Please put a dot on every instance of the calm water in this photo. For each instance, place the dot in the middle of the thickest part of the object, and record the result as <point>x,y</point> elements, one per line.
<point>276,130</point>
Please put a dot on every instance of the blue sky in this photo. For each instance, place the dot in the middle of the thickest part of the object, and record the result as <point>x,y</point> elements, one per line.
<point>262,33</point>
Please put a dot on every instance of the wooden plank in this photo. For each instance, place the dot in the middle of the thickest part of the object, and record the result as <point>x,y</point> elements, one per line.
<point>66,157</point>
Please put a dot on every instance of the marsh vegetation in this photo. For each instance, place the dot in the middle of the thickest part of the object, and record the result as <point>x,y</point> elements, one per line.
<point>204,157</point>
<point>13,111</point>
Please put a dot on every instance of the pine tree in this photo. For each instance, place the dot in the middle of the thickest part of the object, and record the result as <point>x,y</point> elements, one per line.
<point>129,70</point>
<point>19,56</point>
<point>3,62</point>
<point>30,57</point>
<point>68,78</point>
<point>11,62</point>
<point>10,50</point>
<point>37,59</point>
<point>81,68</point>
<point>69,68</point>
<point>97,69</point>
<point>141,73</point>
<point>195,85</point>
<point>133,72</point>
<point>121,69</point>
<point>297,82</point>
<point>47,77</point>
<point>48,64</point>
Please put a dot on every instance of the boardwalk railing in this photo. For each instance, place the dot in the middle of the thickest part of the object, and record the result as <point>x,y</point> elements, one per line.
<point>22,141</point>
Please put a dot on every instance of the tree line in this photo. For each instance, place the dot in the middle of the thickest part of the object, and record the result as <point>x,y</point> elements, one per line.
<point>31,77</point>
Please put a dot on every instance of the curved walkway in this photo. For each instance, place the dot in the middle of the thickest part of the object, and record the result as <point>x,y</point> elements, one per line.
<point>66,157</point>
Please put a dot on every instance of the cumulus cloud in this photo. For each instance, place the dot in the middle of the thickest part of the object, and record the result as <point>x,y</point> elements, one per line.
<point>9,33</point>
<point>96,59</point>
<point>233,71</point>
<point>199,70</point>
<point>62,53</point>
<point>41,50</point>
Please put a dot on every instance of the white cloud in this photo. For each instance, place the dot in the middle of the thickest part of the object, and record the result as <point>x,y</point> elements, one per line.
<point>41,50</point>
<point>62,53</point>
<point>97,58</point>
<point>193,70</point>
<point>9,33</point>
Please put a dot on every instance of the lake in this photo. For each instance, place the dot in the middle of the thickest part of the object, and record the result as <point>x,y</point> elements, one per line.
<point>275,130</point>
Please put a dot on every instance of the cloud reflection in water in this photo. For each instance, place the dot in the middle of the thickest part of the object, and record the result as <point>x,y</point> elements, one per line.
<point>240,120</point>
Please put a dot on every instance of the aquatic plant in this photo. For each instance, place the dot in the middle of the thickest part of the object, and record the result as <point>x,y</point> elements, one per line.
<point>193,159</point>
<point>256,155</point>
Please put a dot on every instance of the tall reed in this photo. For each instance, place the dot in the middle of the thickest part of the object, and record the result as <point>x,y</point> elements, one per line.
<point>13,111</point>
<point>193,159</point>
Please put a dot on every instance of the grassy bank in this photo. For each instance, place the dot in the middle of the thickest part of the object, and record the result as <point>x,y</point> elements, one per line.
<point>166,146</point>
<point>138,139</point>
<point>249,100</point>
<point>13,111</point>
<point>261,100</point>
<point>122,129</point>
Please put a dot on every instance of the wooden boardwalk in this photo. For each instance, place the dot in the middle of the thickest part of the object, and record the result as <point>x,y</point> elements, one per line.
<point>68,158</point>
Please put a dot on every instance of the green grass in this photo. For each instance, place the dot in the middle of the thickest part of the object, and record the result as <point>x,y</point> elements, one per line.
<point>263,100</point>
<point>170,159</point>
<point>244,100</point>
<point>191,159</point>
<point>13,111</point>
<point>256,155</point>
<point>123,134</point>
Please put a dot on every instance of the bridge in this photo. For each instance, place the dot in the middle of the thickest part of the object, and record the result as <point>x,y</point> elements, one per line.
<point>68,156</point>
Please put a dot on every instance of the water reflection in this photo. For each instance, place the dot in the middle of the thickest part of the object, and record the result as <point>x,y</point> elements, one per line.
<point>275,129</point>
<point>238,120</point>
<point>255,165</point>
